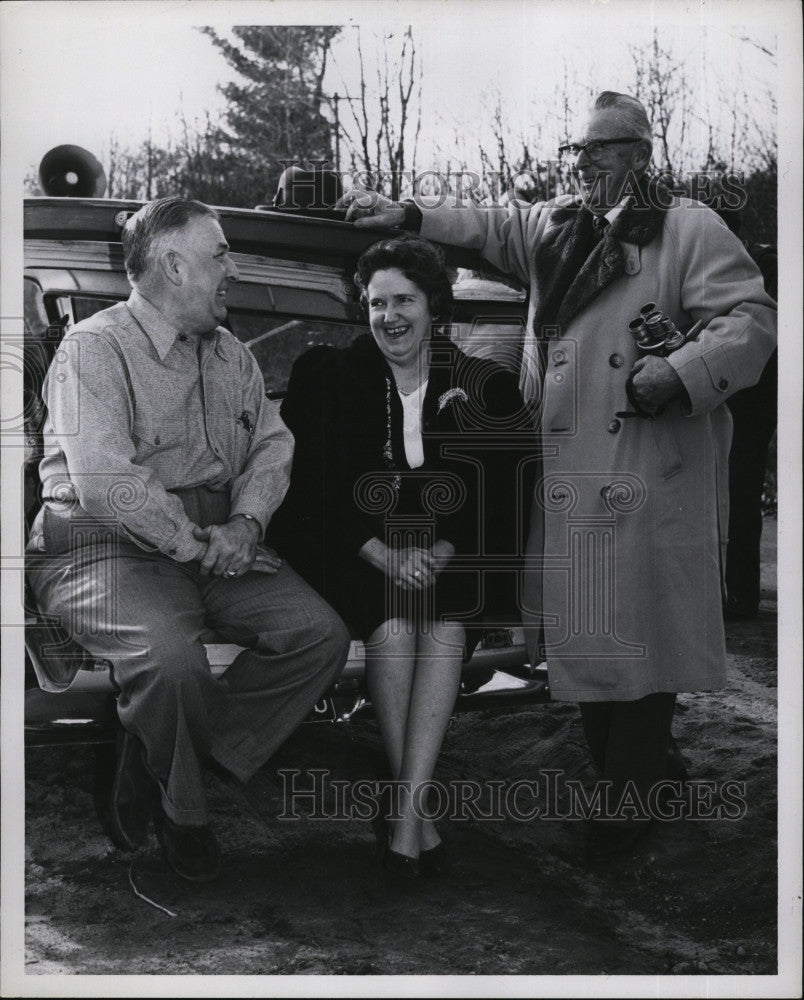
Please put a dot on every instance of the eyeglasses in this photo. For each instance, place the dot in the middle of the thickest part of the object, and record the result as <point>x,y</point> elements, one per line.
<point>594,149</point>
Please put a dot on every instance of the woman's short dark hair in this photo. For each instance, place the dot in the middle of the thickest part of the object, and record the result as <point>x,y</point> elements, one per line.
<point>145,228</point>
<point>420,261</point>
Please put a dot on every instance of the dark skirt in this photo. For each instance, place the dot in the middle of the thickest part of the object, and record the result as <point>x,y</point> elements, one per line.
<point>365,597</point>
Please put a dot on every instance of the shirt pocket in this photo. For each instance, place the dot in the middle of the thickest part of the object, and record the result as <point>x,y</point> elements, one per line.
<point>232,433</point>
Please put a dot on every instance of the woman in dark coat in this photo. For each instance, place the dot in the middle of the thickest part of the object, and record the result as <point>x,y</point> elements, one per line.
<point>396,436</point>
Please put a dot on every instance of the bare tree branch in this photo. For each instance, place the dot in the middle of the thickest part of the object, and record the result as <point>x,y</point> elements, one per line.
<point>760,48</point>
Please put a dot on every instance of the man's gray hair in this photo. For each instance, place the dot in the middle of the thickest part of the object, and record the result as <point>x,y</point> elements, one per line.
<point>146,227</point>
<point>631,114</point>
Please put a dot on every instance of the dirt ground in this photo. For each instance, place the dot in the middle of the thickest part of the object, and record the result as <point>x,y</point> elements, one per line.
<point>305,896</point>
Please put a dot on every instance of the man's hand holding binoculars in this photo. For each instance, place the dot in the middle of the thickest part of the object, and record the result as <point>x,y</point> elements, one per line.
<point>654,383</point>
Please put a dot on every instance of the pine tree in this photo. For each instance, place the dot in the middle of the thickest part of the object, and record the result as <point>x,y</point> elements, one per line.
<point>275,116</point>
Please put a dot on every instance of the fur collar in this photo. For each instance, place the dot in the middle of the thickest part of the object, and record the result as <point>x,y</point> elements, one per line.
<point>563,260</point>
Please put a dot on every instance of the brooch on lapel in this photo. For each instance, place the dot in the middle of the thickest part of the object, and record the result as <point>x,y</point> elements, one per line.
<point>451,394</point>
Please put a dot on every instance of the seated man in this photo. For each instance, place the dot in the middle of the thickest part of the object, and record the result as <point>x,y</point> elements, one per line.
<point>163,464</point>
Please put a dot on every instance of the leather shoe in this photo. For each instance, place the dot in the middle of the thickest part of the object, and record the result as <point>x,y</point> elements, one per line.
<point>134,792</point>
<point>191,851</point>
<point>739,610</point>
<point>675,767</point>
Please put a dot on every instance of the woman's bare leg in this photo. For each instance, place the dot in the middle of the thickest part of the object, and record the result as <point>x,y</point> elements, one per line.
<point>390,661</point>
<point>436,678</point>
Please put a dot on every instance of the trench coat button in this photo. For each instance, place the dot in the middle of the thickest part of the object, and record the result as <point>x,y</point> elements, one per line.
<point>723,383</point>
<point>182,337</point>
<point>616,360</point>
<point>171,552</point>
<point>558,377</point>
<point>156,440</point>
<point>614,426</point>
<point>559,357</point>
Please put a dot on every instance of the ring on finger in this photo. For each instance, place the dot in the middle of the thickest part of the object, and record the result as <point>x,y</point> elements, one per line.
<point>230,572</point>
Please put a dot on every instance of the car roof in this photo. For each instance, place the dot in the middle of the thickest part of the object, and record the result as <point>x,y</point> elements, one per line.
<point>318,236</point>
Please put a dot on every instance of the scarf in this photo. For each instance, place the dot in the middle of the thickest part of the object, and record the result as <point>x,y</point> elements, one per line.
<point>572,269</point>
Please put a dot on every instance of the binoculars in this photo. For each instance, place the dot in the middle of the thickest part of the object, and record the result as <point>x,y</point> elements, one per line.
<point>655,333</point>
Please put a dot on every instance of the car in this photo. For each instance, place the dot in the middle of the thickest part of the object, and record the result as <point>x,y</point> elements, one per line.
<point>295,291</point>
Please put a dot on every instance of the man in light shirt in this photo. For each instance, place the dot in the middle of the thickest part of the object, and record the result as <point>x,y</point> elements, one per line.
<point>164,462</point>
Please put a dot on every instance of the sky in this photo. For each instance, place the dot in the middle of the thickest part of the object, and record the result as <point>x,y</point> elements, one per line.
<point>77,72</point>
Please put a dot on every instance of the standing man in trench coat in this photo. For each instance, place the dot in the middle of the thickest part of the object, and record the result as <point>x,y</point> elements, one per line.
<point>628,526</point>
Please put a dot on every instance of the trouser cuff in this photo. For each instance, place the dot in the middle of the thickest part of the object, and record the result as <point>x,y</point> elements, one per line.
<point>197,816</point>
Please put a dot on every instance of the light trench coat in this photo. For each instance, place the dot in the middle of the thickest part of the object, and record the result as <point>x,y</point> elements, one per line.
<point>623,586</point>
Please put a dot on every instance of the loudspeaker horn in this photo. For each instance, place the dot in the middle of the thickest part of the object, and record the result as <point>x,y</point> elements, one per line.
<point>71,172</point>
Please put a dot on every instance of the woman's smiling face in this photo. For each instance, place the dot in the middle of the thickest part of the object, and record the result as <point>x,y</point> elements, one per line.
<point>399,316</point>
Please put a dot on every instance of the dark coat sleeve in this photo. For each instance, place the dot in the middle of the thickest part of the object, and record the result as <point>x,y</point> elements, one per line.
<point>496,437</point>
<point>318,518</point>
<point>510,462</point>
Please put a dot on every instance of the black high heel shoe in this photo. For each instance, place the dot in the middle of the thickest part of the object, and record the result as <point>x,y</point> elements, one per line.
<point>399,865</point>
<point>435,861</point>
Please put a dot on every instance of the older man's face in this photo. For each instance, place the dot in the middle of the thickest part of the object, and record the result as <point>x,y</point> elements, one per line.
<point>206,270</point>
<point>602,179</point>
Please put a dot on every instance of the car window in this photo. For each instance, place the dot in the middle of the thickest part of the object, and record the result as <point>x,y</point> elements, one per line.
<point>283,308</point>
<point>276,340</point>
<point>498,338</point>
<point>491,310</point>
<point>83,307</point>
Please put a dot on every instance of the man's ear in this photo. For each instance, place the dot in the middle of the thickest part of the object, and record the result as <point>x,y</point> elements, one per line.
<point>169,263</point>
<point>642,154</point>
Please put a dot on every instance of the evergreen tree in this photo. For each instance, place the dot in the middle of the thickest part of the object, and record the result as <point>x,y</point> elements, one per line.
<point>275,116</point>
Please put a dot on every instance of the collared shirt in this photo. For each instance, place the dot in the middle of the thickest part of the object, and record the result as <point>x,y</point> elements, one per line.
<point>612,213</point>
<point>136,409</point>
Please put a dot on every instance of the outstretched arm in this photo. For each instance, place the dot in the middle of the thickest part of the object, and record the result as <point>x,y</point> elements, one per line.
<point>503,235</point>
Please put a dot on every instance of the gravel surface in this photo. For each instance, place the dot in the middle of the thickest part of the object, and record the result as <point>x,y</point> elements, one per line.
<point>305,895</point>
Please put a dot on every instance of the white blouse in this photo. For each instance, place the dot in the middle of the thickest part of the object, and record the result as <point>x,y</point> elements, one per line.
<point>412,425</point>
